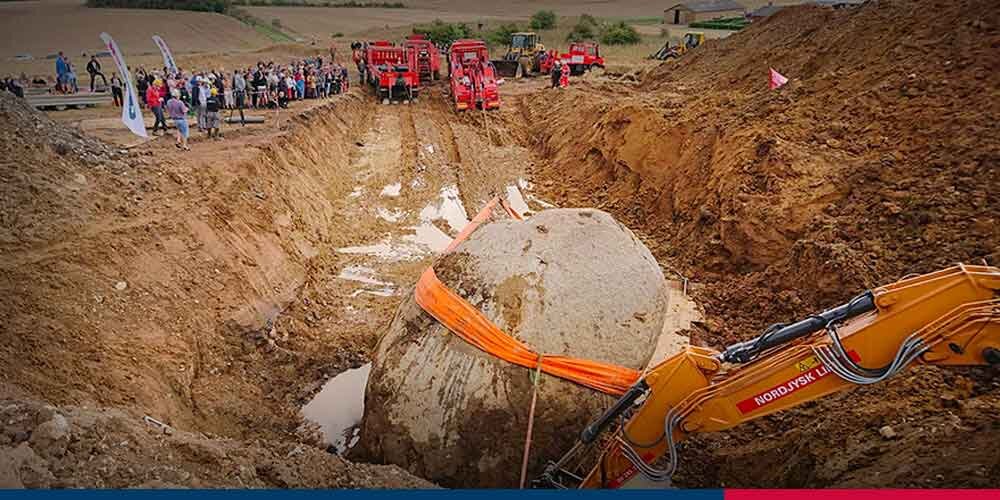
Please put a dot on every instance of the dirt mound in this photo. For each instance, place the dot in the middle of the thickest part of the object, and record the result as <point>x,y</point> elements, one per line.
<point>48,447</point>
<point>877,160</point>
<point>565,282</point>
<point>29,137</point>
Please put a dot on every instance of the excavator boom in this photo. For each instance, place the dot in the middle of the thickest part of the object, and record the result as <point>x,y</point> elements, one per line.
<point>949,317</point>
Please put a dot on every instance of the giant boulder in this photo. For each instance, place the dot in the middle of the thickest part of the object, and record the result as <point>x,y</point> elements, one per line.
<point>565,282</point>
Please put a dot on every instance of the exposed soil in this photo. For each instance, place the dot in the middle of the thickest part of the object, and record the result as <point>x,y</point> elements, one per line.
<point>877,160</point>
<point>216,291</point>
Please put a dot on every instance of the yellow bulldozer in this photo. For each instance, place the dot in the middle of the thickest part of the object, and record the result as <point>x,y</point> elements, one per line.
<point>522,54</point>
<point>690,40</point>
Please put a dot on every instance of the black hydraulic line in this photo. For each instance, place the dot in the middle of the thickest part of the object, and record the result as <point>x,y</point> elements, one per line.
<point>744,352</point>
<point>590,433</point>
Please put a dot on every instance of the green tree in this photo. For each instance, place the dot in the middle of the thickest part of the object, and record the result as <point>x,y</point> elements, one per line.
<point>501,35</point>
<point>543,20</point>
<point>620,33</point>
<point>442,33</point>
<point>580,32</point>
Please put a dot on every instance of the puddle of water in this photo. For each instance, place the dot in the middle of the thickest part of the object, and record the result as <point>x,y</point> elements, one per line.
<point>449,208</point>
<point>389,215</point>
<point>426,236</point>
<point>357,192</point>
<point>339,406</point>
<point>366,275</point>
<point>387,250</point>
<point>361,274</point>
<point>392,190</point>
<point>523,183</point>
<point>516,200</point>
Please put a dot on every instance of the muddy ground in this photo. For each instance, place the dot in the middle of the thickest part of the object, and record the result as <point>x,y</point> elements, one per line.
<point>159,298</point>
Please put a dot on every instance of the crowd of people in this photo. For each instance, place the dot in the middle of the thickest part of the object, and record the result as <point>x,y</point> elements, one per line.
<point>204,94</point>
<point>207,93</point>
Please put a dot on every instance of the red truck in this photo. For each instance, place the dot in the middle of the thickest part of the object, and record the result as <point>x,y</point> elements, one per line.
<point>473,77</point>
<point>582,56</point>
<point>428,59</point>
<point>389,69</point>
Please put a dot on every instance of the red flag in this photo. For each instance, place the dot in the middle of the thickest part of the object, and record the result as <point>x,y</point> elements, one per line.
<point>776,80</point>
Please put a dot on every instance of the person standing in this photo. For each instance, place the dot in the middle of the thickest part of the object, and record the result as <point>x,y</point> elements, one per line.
<point>116,90</point>
<point>556,73</point>
<point>178,113</point>
<point>240,94</point>
<point>71,77</point>
<point>155,103</point>
<point>141,84</point>
<point>564,76</point>
<point>61,70</point>
<point>213,118</point>
<point>220,85</point>
<point>202,102</point>
<point>94,70</point>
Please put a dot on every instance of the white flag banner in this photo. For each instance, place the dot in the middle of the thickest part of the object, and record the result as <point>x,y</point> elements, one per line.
<point>131,115</point>
<point>168,58</point>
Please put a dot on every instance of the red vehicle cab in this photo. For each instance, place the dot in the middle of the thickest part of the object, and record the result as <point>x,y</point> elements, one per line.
<point>428,59</point>
<point>583,56</point>
<point>473,77</point>
<point>389,69</point>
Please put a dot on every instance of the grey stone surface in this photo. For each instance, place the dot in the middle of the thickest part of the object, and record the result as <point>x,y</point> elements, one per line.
<point>566,282</point>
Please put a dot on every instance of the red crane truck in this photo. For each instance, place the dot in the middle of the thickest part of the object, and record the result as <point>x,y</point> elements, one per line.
<point>389,69</point>
<point>428,59</point>
<point>473,76</point>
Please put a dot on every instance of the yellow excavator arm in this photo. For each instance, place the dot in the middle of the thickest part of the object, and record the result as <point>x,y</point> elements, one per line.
<point>950,317</point>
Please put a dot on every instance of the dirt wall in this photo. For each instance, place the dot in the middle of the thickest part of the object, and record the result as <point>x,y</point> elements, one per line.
<point>151,282</point>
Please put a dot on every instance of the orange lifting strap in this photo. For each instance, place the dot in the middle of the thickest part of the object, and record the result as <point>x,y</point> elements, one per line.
<point>467,322</point>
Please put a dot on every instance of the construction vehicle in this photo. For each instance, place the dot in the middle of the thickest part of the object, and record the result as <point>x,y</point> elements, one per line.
<point>472,75</point>
<point>522,57</point>
<point>389,69</point>
<point>428,59</point>
<point>582,57</point>
<point>690,40</point>
<point>949,317</point>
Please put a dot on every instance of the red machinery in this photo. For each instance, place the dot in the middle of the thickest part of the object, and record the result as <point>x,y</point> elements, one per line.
<point>582,56</point>
<point>428,60</point>
<point>473,77</point>
<point>389,69</point>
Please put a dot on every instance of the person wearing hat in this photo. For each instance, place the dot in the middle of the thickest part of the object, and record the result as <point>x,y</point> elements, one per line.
<point>213,120</point>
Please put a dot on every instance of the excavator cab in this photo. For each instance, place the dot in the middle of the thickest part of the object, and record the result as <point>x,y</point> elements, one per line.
<point>690,40</point>
<point>523,42</point>
<point>522,55</point>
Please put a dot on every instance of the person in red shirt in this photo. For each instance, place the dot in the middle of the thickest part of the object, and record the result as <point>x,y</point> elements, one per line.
<point>154,99</point>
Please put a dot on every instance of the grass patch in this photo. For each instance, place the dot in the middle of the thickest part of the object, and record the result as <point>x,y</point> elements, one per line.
<point>271,30</point>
